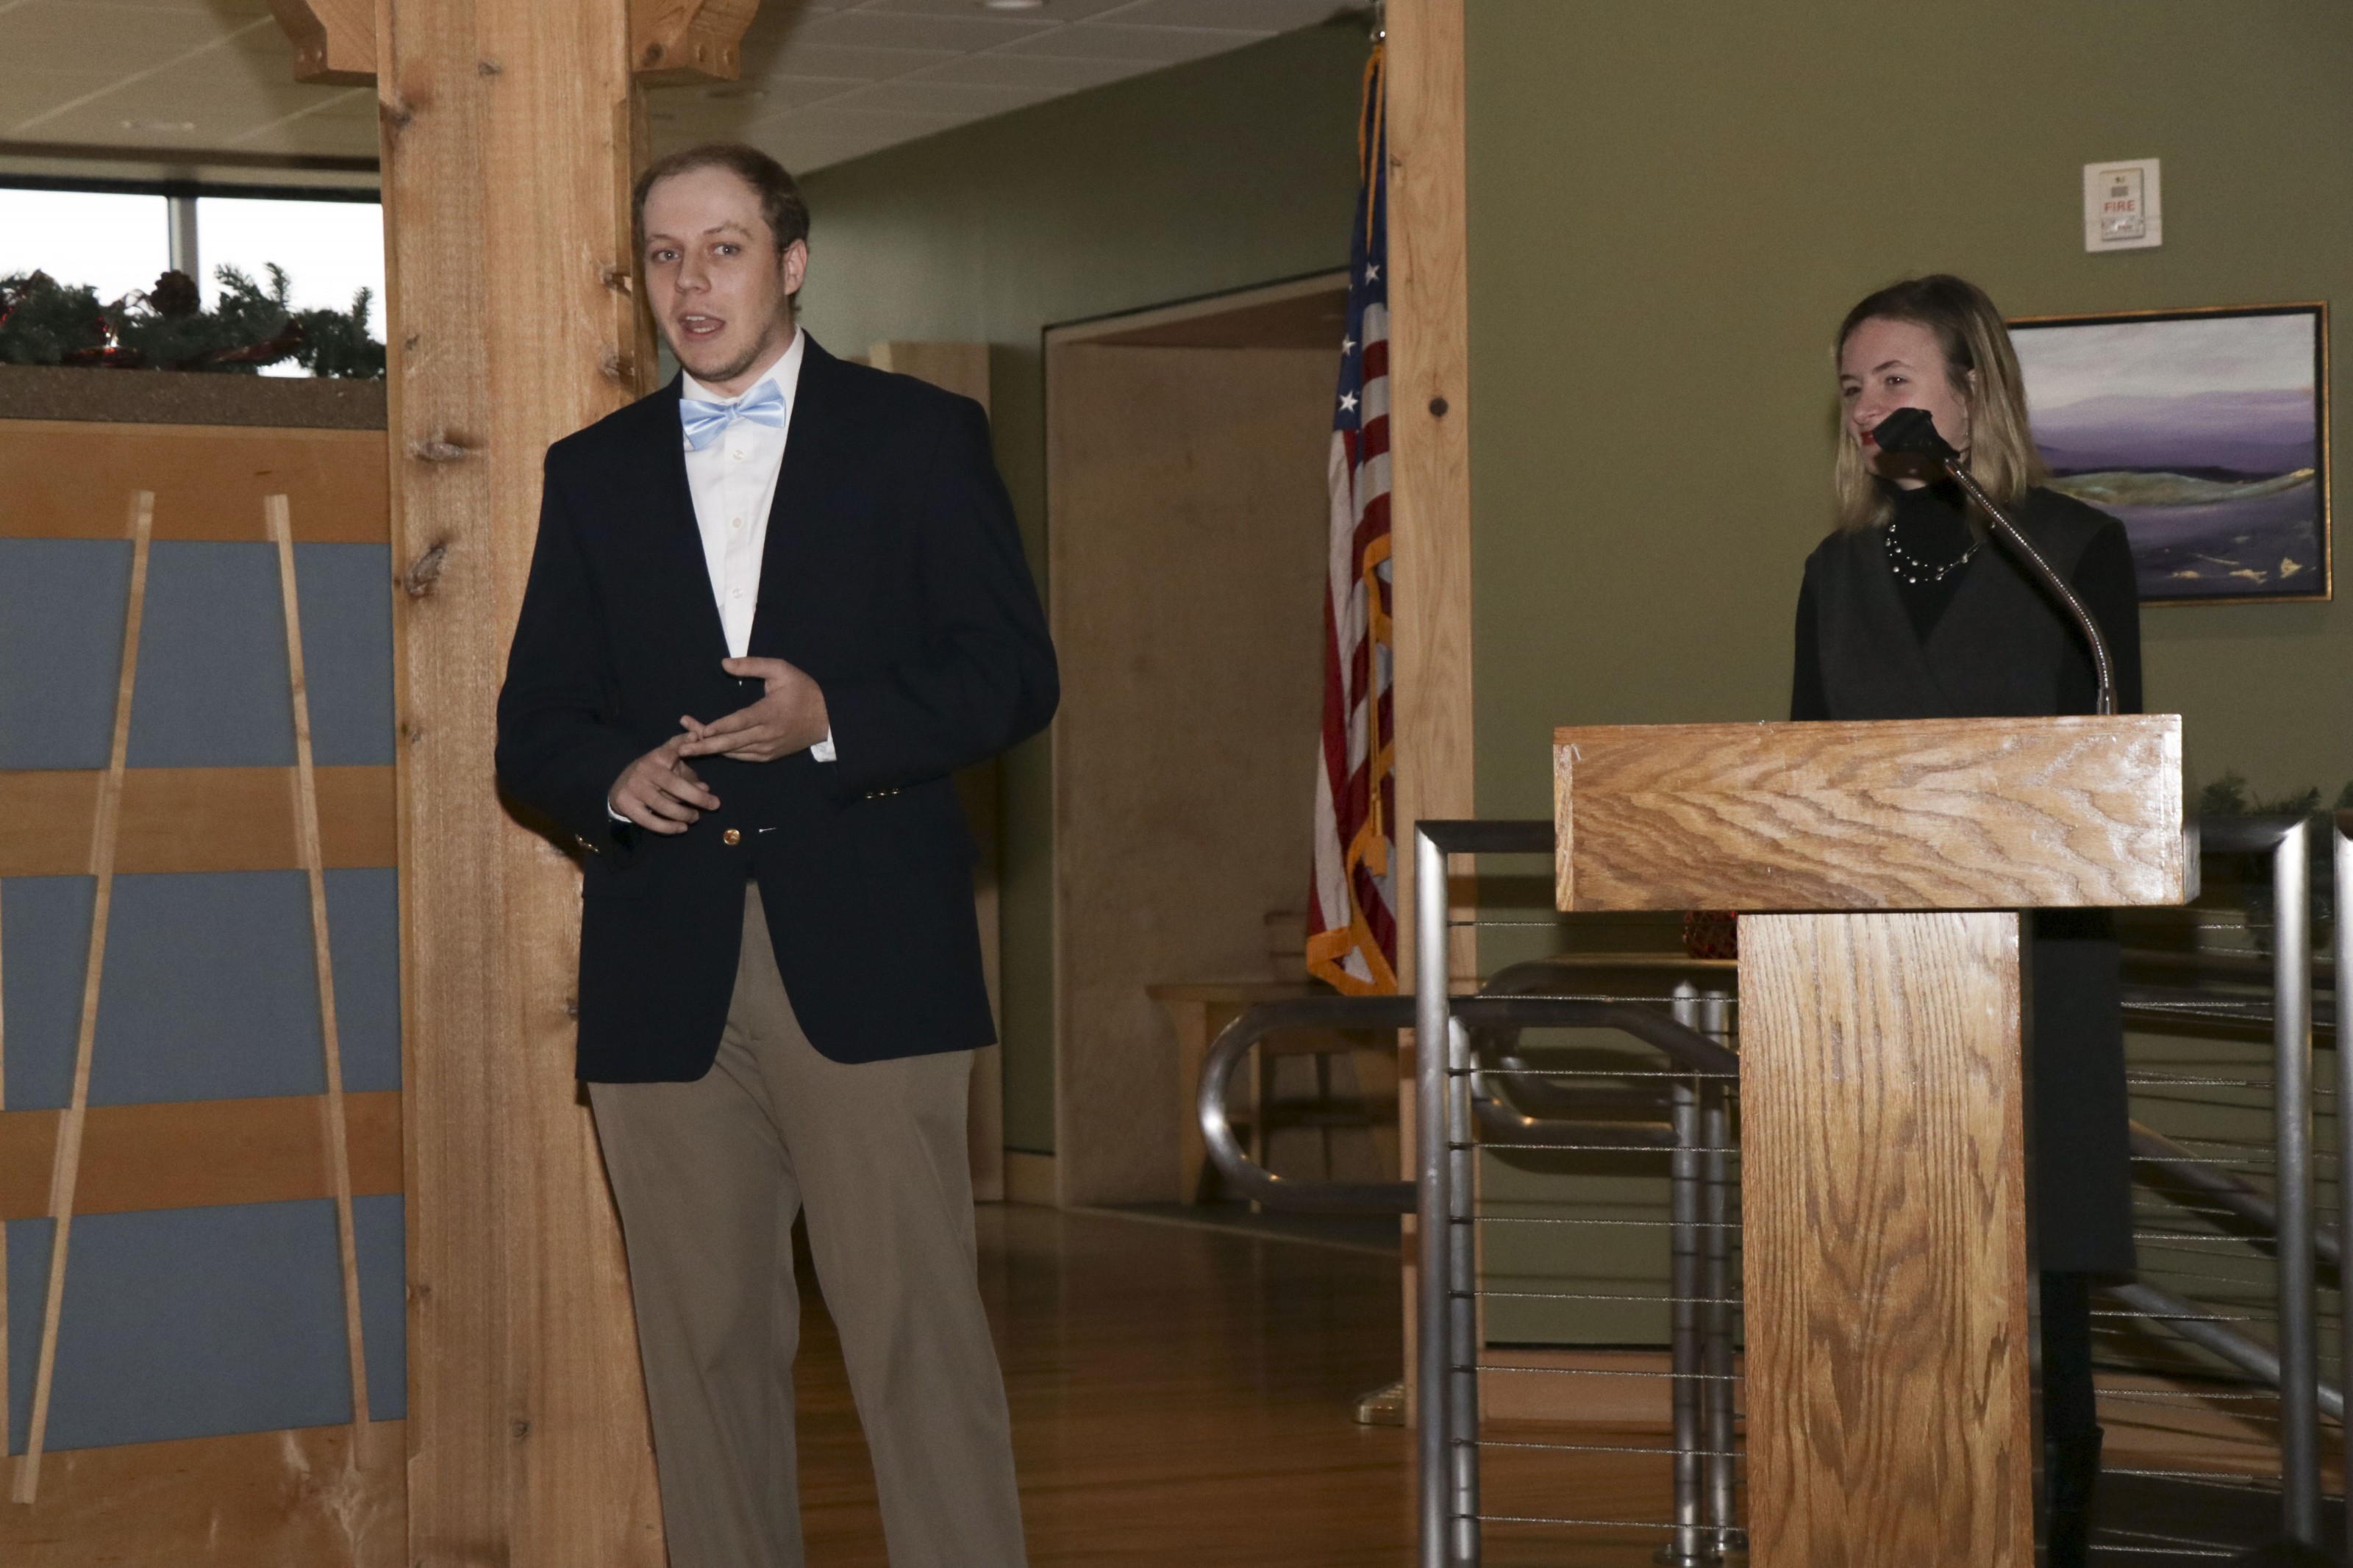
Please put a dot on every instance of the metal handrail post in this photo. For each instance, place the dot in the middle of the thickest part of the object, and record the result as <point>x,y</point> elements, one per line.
<point>1687,1547</point>
<point>2341,863</point>
<point>2292,1115</point>
<point>1434,1443</point>
<point>1462,1301</point>
<point>1715,1138</point>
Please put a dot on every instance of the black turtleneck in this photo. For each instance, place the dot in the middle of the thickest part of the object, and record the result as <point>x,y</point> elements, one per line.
<point>1929,527</point>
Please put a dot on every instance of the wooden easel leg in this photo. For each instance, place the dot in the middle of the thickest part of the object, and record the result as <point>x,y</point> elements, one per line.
<point>65,1168</point>
<point>1883,1131</point>
<point>281,525</point>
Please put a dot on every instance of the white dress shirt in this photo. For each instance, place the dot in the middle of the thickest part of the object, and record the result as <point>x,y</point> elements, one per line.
<point>734,482</point>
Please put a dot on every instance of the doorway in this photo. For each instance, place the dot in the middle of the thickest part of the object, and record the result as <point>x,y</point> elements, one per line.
<point>1186,451</point>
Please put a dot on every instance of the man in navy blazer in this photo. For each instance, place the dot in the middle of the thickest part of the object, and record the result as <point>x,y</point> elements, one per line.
<point>772,608</point>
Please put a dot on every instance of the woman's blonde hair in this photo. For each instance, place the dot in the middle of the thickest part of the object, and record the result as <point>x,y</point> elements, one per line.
<point>2002,455</point>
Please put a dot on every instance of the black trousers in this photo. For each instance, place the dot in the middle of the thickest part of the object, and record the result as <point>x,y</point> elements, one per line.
<point>2068,1408</point>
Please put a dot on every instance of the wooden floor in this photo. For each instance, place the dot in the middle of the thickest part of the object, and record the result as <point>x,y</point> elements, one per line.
<point>1184,1396</point>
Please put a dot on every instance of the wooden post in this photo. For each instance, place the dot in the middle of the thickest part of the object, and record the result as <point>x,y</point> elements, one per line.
<point>1430,476</point>
<point>1429,430</point>
<point>509,142</point>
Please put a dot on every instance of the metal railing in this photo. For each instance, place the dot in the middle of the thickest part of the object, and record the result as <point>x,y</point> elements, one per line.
<point>1477,1092</point>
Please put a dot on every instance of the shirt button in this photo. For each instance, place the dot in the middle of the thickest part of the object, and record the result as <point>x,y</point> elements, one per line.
<point>734,592</point>
<point>732,837</point>
<point>738,456</point>
<point>734,522</point>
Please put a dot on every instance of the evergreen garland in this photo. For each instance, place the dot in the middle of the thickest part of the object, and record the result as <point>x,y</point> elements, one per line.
<point>43,321</point>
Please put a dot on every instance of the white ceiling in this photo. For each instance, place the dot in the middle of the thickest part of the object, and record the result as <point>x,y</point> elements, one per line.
<point>823,80</point>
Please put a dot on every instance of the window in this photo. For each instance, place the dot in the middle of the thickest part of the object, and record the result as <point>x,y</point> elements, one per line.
<point>329,249</point>
<point>114,243</point>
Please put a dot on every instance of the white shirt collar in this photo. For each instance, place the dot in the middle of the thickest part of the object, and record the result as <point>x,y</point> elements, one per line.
<point>786,372</point>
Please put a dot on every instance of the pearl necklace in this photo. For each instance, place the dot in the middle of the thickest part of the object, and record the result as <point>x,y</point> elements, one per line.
<point>1915,571</point>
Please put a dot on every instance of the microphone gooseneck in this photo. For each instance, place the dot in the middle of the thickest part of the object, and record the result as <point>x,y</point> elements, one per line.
<point>1914,431</point>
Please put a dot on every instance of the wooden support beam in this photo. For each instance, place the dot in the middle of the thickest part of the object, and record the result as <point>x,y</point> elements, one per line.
<point>200,1153</point>
<point>669,40</point>
<point>209,479</point>
<point>1429,427</point>
<point>334,40</point>
<point>256,1498</point>
<point>193,819</point>
<point>1429,474</point>
<point>687,40</point>
<point>509,142</point>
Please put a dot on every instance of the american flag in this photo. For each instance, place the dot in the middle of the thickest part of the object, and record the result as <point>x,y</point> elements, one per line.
<point>1352,909</point>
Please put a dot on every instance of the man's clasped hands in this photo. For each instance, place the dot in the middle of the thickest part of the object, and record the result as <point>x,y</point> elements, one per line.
<point>660,790</point>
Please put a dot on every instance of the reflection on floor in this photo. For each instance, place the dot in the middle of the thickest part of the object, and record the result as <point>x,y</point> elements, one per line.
<point>1182,1393</point>
<point>1377,1233</point>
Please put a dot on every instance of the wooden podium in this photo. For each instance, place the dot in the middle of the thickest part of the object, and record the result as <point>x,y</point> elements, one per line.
<point>1884,1114</point>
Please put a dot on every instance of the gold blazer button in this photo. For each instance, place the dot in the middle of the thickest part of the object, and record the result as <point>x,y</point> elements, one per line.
<point>732,837</point>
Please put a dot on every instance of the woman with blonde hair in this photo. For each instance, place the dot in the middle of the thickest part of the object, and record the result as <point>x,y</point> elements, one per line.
<point>1910,611</point>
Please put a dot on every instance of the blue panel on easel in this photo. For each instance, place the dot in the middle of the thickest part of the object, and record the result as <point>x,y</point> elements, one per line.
<point>44,945</point>
<point>210,991</point>
<point>347,593</point>
<point>363,923</point>
<point>187,1323</point>
<point>28,1283</point>
<point>61,603</point>
<point>213,684</point>
<point>379,1227</point>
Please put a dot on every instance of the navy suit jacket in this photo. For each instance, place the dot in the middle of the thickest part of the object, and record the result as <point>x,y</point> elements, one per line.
<point>894,574</point>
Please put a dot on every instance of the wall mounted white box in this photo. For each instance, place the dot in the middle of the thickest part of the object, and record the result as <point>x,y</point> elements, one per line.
<point>2121,207</point>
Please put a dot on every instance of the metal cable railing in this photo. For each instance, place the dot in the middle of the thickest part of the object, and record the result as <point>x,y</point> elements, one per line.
<point>2228,1212</point>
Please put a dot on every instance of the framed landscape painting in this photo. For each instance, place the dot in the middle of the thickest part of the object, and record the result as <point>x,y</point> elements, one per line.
<point>2204,432</point>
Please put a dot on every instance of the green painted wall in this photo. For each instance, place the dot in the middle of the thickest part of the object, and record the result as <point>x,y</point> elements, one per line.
<point>1233,171</point>
<point>1671,208</point>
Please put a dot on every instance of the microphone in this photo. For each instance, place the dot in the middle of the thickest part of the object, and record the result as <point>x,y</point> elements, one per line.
<point>1913,431</point>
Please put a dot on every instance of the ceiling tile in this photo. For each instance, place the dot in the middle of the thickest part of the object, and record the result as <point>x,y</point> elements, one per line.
<point>824,79</point>
<point>909,30</point>
<point>741,102</point>
<point>317,137</point>
<point>864,64</point>
<point>1148,46</point>
<point>1261,16</point>
<point>1045,72</point>
<point>27,87</point>
<point>117,39</point>
<point>1052,11</point>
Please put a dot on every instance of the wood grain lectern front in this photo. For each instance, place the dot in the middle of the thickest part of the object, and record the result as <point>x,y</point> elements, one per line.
<point>1884,1114</point>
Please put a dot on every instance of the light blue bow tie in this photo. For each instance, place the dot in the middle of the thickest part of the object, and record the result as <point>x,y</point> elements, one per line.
<point>705,422</point>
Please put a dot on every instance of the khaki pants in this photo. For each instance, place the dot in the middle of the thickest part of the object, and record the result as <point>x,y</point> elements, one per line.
<point>709,1175</point>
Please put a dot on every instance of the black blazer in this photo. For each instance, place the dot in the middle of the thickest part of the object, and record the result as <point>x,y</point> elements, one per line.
<point>2002,650</point>
<point>894,574</point>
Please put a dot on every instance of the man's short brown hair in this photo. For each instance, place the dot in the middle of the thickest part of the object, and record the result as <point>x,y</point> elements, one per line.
<point>780,196</point>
